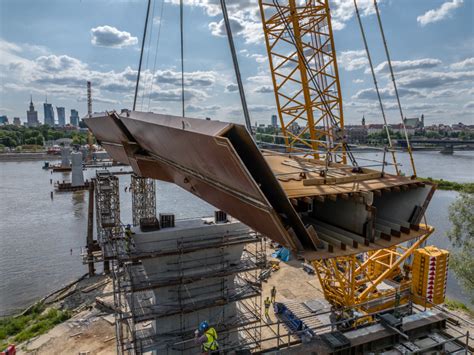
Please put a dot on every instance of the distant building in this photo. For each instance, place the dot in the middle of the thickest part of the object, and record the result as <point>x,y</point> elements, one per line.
<point>363,121</point>
<point>418,124</point>
<point>74,118</point>
<point>399,128</point>
<point>3,120</point>
<point>32,115</point>
<point>356,134</point>
<point>274,121</point>
<point>459,127</point>
<point>375,128</point>
<point>16,121</point>
<point>295,128</point>
<point>61,116</point>
<point>48,114</point>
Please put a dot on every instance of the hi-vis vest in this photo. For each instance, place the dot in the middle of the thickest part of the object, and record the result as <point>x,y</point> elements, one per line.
<point>211,343</point>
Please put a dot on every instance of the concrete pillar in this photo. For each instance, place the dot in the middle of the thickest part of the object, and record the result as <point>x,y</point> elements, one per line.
<point>77,176</point>
<point>65,163</point>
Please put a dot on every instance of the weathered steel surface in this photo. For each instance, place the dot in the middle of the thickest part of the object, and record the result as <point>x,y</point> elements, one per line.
<point>220,163</point>
<point>198,156</point>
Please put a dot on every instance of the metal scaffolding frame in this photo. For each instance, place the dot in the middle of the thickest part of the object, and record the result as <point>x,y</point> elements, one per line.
<point>143,198</point>
<point>133,295</point>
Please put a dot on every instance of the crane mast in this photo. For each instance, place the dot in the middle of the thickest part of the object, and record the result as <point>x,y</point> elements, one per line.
<point>303,65</point>
<point>304,72</point>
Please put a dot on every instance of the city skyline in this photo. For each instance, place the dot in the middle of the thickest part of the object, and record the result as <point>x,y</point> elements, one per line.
<point>32,117</point>
<point>431,46</point>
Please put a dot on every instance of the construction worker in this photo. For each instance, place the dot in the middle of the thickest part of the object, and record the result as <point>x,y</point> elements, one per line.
<point>274,294</point>
<point>207,337</point>
<point>267,304</point>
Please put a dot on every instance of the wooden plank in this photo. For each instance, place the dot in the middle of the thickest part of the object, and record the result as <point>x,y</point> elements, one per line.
<point>341,180</point>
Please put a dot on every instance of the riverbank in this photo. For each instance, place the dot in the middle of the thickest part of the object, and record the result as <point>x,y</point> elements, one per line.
<point>33,156</point>
<point>63,320</point>
<point>450,185</point>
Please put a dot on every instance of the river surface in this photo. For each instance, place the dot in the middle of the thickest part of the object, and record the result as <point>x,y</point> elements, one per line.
<point>37,233</point>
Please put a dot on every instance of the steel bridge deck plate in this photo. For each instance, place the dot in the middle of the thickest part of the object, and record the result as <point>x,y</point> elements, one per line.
<point>220,163</point>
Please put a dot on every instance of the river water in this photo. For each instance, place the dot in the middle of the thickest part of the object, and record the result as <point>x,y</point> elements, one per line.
<point>37,233</point>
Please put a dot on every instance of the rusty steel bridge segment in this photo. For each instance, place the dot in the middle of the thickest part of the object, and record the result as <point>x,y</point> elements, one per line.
<point>317,210</point>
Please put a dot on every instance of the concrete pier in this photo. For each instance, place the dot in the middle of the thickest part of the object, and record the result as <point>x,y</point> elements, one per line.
<point>196,278</point>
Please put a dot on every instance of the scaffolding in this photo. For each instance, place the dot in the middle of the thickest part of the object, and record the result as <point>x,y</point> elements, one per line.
<point>138,310</point>
<point>143,199</point>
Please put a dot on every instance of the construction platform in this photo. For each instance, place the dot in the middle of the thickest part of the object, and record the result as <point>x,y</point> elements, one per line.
<point>289,198</point>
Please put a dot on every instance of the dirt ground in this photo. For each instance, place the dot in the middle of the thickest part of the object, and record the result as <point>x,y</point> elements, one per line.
<point>90,330</point>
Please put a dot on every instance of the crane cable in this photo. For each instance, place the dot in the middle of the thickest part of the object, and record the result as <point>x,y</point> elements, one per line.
<point>236,66</point>
<point>389,61</point>
<point>376,87</point>
<point>141,56</point>
<point>181,25</point>
<point>148,54</point>
<point>150,91</point>
<point>315,83</point>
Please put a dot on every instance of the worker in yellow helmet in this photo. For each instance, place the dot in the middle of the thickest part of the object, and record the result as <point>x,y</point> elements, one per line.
<point>206,336</point>
<point>267,304</point>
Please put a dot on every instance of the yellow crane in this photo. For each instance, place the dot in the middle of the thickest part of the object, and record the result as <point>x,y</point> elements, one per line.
<point>302,57</point>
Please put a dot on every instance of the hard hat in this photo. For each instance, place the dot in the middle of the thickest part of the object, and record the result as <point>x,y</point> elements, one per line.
<point>129,226</point>
<point>203,326</point>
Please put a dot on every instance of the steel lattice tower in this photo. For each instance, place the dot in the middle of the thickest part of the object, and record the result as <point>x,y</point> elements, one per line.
<point>143,198</point>
<point>305,76</point>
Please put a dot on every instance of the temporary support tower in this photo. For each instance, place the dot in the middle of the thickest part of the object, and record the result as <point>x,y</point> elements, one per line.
<point>143,198</point>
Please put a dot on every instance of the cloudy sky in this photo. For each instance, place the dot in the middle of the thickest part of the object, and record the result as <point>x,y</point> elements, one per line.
<point>52,47</point>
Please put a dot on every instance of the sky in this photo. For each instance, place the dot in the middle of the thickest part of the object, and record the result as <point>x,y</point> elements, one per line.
<point>50,48</point>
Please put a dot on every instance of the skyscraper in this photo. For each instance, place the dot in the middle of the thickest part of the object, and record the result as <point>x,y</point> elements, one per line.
<point>48,114</point>
<point>32,115</point>
<point>61,116</point>
<point>274,121</point>
<point>74,119</point>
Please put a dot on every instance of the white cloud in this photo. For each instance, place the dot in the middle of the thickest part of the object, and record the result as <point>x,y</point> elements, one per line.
<point>353,60</point>
<point>231,87</point>
<point>435,15</point>
<point>387,93</point>
<point>465,64</point>
<point>343,10</point>
<point>429,80</point>
<point>250,30</point>
<point>259,58</point>
<point>357,81</point>
<point>264,89</point>
<point>108,36</point>
<point>400,66</point>
<point>205,109</point>
<point>469,105</point>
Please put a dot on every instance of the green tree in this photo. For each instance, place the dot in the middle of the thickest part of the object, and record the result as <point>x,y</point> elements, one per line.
<point>461,215</point>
